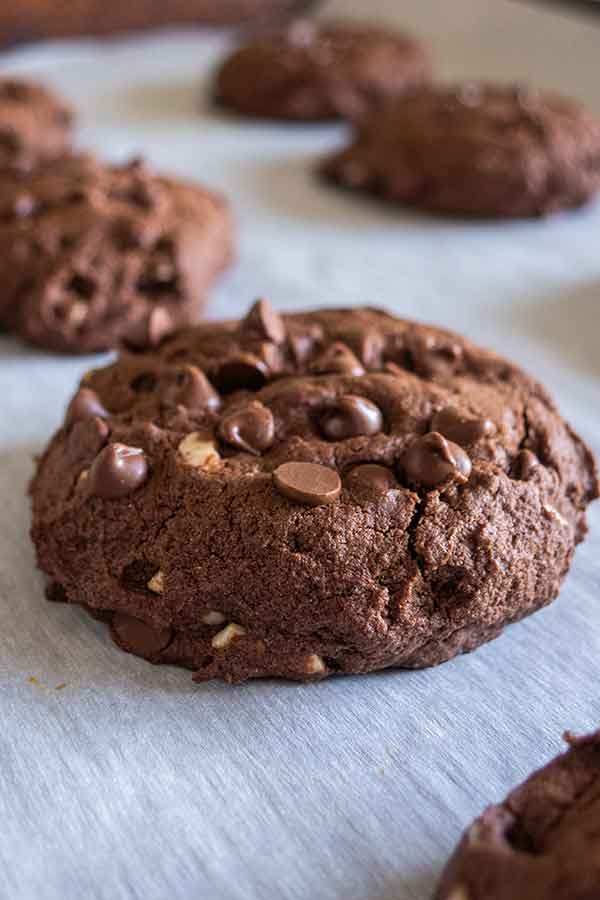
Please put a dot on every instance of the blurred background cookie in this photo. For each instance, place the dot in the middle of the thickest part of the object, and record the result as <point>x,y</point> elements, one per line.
<point>92,254</point>
<point>312,71</point>
<point>31,19</point>
<point>475,150</point>
<point>35,125</point>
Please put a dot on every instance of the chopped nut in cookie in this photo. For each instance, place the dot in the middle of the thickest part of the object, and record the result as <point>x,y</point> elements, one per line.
<point>213,617</point>
<point>224,638</point>
<point>157,583</point>
<point>199,451</point>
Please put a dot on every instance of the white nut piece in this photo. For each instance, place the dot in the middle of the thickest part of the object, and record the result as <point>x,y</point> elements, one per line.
<point>314,665</point>
<point>459,893</point>
<point>83,475</point>
<point>224,637</point>
<point>552,513</point>
<point>199,451</point>
<point>77,313</point>
<point>213,617</point>
<point>157,583</point>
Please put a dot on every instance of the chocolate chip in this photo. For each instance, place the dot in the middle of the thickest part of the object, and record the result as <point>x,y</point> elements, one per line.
<point>337,359</point>
<point>85,405</point>
<point>263,320</point>
<point>149,331</point>
<point>245,372</point>
<point>432,461</point>
<point>301,346</point>
<point>139,637</point>
<point>370,480</point>
<point>251,428</point>
<point>459,428</point>
<point>525,465</point>
<point>190,387</point>
<point>371,345</point>
<point>350,417</point>
<point>308,483</point>
<point>117,471</point>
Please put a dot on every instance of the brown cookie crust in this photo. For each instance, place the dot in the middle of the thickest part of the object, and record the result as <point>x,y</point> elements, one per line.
<point>315,72</point>
<point>36,126</point>
<point>93,254</point>
<point>391,545</point>
<point>475,150</point>
<point>542,842</point>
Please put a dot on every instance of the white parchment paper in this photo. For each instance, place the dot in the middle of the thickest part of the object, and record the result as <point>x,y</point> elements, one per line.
<point>131,782</point>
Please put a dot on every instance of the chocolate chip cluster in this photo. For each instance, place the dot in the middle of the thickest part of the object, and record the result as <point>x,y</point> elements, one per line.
<point>242,410</point>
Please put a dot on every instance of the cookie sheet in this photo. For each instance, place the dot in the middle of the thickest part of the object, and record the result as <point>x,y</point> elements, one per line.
<point>119,780</point>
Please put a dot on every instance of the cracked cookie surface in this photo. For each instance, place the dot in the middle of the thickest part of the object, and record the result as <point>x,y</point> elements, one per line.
<point>475,150</point>
<point>326,492</point>
<point>92,255</point>
<point>314,72</point>
<point>542,842</point>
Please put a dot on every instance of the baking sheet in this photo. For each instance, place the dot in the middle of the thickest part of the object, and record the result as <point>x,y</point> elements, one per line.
<point>130,781</point>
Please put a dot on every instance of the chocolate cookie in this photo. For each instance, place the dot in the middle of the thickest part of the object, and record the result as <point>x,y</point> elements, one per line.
<point>303,495</point>
<point>91,255</point>
<point>30,19</point>
<point>475,150</point>
<point>542,843</point>
<point>313,72</point>
<point>35,125</point>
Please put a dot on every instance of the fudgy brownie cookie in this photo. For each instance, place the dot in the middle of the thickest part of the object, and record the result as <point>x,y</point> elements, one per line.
<point>542,843</point>
<point>91,255</point>
<point>475,150</point>
<point>328,492</point>
<point>35,125</point>
<point>313,72</point>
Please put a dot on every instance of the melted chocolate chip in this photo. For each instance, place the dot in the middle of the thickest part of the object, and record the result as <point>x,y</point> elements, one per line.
<point>251,428</point>
<point>350,417</point>
<point>338,359</point>
<point>432,461</point>
<point>370,480</point>
<point>264,321</point>
<point>85,405</point>
<point>459,428</point>
<point>190,387</point>
<point>371,349</point>
<point>244,373</point>
<point>117,471</point>
<point>149,331</point>
<point>139,637</point>
<point>525,465</point>
<point>309,483</point>
<point>301,346</point>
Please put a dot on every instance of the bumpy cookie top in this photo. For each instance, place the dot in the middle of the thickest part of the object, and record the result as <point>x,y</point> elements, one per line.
<point>336,388</point>
<point>476,149</point>
<point>320,71</point>
<point>92,254</point>
<point>542,842</point>
<point>35,125</point>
